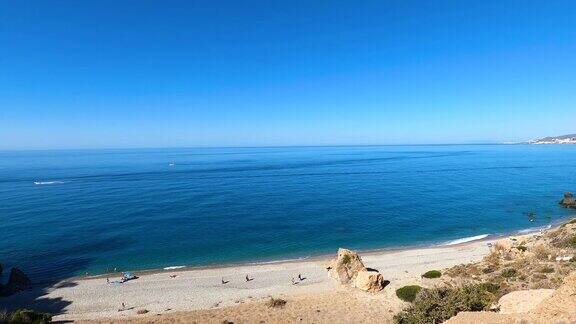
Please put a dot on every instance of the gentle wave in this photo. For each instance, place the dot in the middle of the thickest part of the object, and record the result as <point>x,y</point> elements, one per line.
<point>468,239</point>
<point>40,183</point>
<point>277,261</point>
<point>174,267</point>
<point>534,229</point>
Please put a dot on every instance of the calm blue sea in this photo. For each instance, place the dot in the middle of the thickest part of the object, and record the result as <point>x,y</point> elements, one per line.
<point>65,213</point>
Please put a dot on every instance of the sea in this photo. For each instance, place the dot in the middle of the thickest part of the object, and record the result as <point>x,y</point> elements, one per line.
<point>66,213</point>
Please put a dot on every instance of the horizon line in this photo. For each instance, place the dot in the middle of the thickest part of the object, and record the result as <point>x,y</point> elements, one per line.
<point>252,146</point>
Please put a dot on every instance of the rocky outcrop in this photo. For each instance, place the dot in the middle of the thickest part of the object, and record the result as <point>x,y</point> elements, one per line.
<point>369,280</point>
<point>348,269</point>
<point>523,301</point>
<point>346,266</point>
<point>568,201</point>
<point>17,281</point>
<point>556,307</point>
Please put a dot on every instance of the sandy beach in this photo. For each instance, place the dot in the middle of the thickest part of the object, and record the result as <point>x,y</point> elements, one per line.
<point>171,292</point>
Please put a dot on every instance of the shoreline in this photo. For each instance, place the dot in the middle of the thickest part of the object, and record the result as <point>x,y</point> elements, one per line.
<point>176,291</point>
<point>324,256</point>
<point>185,290</point>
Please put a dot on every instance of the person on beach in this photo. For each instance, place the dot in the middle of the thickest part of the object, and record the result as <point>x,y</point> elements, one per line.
<point>248,278</point>
<point>300,277</point>
<point>123,306</point>
<point>107,281</point>
<point>223,281</point>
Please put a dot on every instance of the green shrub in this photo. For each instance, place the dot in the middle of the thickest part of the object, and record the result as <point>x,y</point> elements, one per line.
<point>439,304</point>
<point>509,273</point>
<point>522,248</point>
<point>546,270</point>
<point>489,287</point>
<point>572,242</point>
<point>408,293</point>
<point>487,270</point>
<point>432,274</point>
<point>25,316</point>
<point>346,259</point>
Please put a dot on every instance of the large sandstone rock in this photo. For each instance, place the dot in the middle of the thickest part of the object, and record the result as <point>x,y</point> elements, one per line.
<point>558,307</point>
<point>568,201</point>
<point>523,301</point>
<point>346,266</point>
<point>17,281</point>
<point>369,280</point>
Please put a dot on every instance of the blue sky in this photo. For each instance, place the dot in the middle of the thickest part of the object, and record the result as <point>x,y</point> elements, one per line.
<point>88,74</point>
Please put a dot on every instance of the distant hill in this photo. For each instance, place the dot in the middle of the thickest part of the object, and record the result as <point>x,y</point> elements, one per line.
<point>564,139</point>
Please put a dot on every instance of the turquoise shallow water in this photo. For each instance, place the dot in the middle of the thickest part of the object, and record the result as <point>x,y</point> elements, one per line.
<point>64,213</point>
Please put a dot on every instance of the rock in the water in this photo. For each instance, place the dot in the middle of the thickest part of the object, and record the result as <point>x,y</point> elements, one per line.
<point>346,266</point>
<point>369,280</point>
<point>568,201</point>
<point>17,281</point>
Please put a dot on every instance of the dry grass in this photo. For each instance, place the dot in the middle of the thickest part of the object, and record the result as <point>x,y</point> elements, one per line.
<point>276,303</point>
<point>542,252</point>
<point>528,263</point>
<point>493,259</point>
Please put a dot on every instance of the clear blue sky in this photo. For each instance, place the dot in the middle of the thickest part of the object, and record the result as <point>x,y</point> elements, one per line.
<point>86,74</point>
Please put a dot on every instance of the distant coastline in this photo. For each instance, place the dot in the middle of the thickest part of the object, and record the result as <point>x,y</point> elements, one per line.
<point>562,139</point>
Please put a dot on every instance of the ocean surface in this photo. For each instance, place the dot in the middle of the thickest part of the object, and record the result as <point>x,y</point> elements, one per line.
<point>65,213</point>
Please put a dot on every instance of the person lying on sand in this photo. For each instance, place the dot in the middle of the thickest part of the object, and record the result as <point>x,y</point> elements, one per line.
<point>224,281</point>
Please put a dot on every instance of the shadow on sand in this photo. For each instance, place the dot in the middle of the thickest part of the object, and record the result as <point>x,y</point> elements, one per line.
<point>48,271</point>
<point>36,297</point>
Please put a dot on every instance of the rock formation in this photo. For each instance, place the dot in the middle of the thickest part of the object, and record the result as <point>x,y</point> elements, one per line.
<point>531,306</point>
<point>348,268</point>
<point>369,280</point>
<point>17,281</point>
<point>522,301</point>
<point>568,200</point>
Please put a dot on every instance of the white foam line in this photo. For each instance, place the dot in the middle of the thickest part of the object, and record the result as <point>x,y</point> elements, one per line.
<point>534,229</point>
<point>277,261</point>
<point>39,183</point>
<point>468,239</point>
